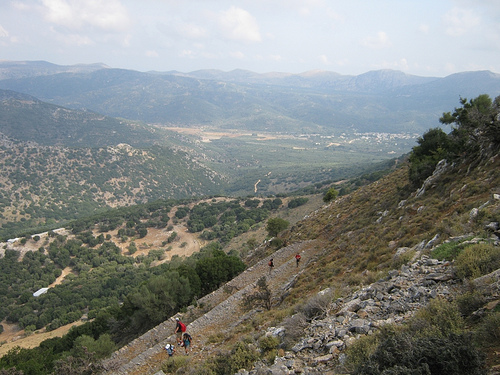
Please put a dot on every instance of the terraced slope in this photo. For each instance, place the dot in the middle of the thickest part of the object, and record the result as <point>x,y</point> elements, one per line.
<point>145,354</point>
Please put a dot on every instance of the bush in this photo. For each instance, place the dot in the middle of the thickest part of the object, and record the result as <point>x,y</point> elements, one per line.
<point>469,302</point>
<point>317,306</point>
<point>241,356</point>
<point>361,350</point>
<point>261,297</point>
<point>488,331</point>
<point>174,363</point>
<point>268,343</point>
<point>330,195</point>
<point>477,260</point>
<point>294,329</point>
<point>439,318</point>
<point>296,202</point>
<point>447,250</point>
<point>406,354</point>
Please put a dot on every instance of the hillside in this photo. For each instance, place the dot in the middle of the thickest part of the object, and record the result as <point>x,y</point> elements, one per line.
<point>378,233</point>
<point>60,164</point>
<point>399,275</point>
<point>312,102</point>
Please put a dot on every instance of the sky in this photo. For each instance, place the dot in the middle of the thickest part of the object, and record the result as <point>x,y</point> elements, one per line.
<point>432,38</point>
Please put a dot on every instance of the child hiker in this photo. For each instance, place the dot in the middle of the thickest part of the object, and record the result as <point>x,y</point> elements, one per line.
<point>186,341</point>
<point>170,350</point>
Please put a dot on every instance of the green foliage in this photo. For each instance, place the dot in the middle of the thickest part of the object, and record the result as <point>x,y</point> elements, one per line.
<point>433,146</point>
<point>85,363</point>
<point>361,350</point>
<point>433,342</point>
<point>477,260</point>
<point>216,268</point>
<point>102,347</point>
<point>469,302</point>
<point>439,318</point>
<point>296,202</point>
<point>174,363</point>
<point>276,225</point>
<point>404,354</point>
<point>261,297</point>
<point>476,125</point>
<point>36,361</point>
<point>447,250</point>
<point>242,356</point>
<point>488,330</point>
<point>330,195</point>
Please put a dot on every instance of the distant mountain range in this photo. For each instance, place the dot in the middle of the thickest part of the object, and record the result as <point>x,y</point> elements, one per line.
<point>317,101</point>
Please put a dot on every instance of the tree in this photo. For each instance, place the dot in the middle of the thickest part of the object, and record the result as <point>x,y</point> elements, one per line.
<point>276,225</point>
<point>476,124</point>
<point>433,146</point>
<point>330,195</point>
<point>261,297</point>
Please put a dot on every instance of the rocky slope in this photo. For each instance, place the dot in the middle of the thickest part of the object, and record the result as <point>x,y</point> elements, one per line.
<point>358,248</point>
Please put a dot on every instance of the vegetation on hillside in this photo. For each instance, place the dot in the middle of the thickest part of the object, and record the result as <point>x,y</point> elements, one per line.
<point>358,233</point>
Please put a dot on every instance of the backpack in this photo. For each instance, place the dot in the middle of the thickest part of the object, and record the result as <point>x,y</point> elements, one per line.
<point>183,327</point>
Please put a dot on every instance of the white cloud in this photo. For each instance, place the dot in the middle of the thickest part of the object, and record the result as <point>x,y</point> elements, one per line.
<point>238,24</point>
<point>75,40</point>
<point>3,33</point>
<point>424,28</point>
<point>458,21</point>
<point>324,59</point>
<point>107,15</point>
<point>237,55</point>
<point>381,40</point>
<point>192,31</point>
<point>152,53</point>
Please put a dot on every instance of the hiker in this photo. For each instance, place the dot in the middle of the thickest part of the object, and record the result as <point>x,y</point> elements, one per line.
<point>186,341</point>
<point>170,350</point>
<point>180,328</point>
<point>297,259</point>
<point>271,265</point>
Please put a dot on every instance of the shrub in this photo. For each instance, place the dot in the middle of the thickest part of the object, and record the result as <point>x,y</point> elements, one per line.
<point>469,302</point>
<point>296,202</point>
<point>330,195</point>
<point>317,306</point>
<point>268,343</point>
<point>488,331</point>
<point>294,329</point>
<point>477,260</point>
<point>406,354</point>
<point>361,350</point>
<point>439,318</point>
<point>261,297</point>
<point>174,363</point>
<point>447,250</point>
<point>242,356</point>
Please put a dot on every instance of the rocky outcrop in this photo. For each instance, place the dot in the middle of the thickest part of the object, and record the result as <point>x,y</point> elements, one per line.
<point>321,349</point>
<point>391,300</point>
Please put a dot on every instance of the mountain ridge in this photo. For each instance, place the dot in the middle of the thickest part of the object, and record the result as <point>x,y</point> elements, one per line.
<point>254,101</point>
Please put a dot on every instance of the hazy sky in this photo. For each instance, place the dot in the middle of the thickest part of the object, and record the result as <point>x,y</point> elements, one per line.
<point>422,37</point>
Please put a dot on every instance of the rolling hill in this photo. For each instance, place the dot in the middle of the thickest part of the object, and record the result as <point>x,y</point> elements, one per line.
<point>312,102</point>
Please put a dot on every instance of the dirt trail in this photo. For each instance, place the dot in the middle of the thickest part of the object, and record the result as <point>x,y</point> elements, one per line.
<point>146,354</point>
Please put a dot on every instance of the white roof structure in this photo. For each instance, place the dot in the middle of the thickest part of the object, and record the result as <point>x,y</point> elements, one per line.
<point>39,292</point>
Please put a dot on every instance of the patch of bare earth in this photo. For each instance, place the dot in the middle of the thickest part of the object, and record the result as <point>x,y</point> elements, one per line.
<point>12,336</point>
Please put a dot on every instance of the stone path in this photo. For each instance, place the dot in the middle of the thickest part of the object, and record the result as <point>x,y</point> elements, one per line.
<point>145,354</point>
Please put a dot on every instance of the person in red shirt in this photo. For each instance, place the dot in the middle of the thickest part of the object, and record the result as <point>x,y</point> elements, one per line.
<point>297,259</point>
